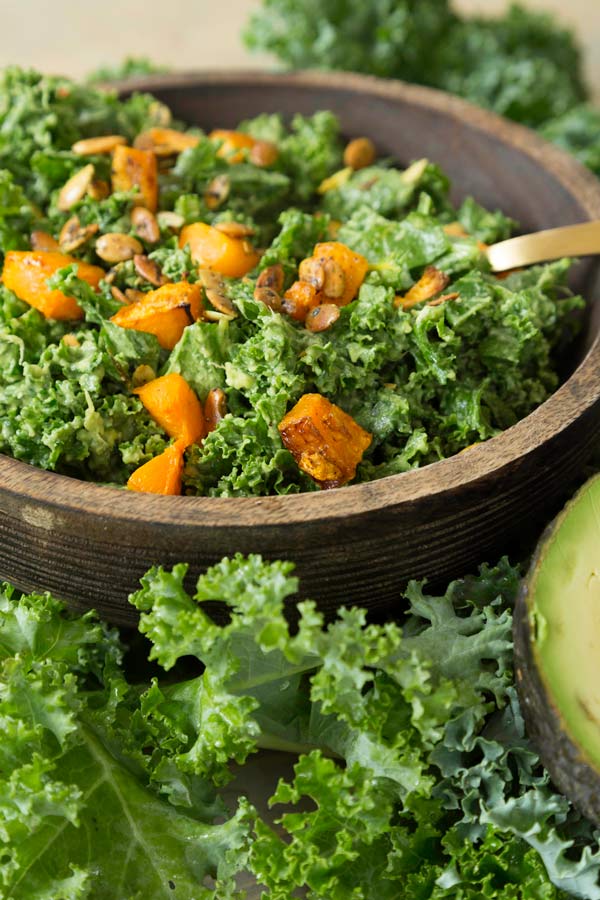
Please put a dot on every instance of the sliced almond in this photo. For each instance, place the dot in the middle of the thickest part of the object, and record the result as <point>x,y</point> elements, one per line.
<point>312,271</point>
<point>98,145</point>
<point>236,230</point>
<point>334,284</point>
<point>165,141</point>
<point>149,270</point>
<point>99,189</point>
<point>145,224</point>
<point>215,408</point>
<point>168,219</point>
<point>431,282</point>
<point>263,154</point>
<point>217,191</point>
<point>115,247</point>
<point>360,153</point>
<point>269,297</point>
<point>322,317</point>
<point>41,240</point>
<point>272,277</point>
<point>75,188</point>
<point>221,303</point>
<point>74,235</point>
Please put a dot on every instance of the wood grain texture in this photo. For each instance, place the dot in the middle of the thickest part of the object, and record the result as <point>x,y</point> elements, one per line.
<point>358,544</point>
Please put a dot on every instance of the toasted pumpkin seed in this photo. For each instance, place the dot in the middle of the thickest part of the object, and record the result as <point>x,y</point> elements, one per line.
<point>334,284</point>
<point>145,224</point>
<point>269,297</point>
<point>165,141</point>
<point>312,271</point>
<point>444,299</point>
<point>149,270</point>
<point>236,230</point>
<point>118,294</point>
<point>75,188</point>
<point>271,277</point>
<point>221,303</point>
<point>213,315</point>
<point>215,408</point>
<point>41,240</point>
<point>263,154</point>
<point>142,375</point>
<point>322,317</point>
<point>210,280</point>
<point>217,191</point>
<point>115,247</point>
<point>97,146</point>
<point>74,235</point>
<point>415,171</point>
<point>168,219</point>
<point>360,153</point>
<point>99,189</point>
<point>70,340</point>
<point>133,295</point>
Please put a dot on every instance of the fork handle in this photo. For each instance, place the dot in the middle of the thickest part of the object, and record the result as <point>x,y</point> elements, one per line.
<point>543,246</point>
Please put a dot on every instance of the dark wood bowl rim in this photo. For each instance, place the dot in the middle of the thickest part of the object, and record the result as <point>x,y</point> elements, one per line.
<point>467,468</point>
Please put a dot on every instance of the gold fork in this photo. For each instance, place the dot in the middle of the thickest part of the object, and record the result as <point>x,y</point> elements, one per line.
<point>543,246</point>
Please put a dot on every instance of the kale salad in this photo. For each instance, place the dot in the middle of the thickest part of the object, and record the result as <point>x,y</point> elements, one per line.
<point>269,309</point>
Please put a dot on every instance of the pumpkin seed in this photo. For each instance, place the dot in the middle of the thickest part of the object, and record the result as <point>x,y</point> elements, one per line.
<point>98,189</point>
<point>336,180</point>
<point>360,153</point>
<point>142,375</point>
<point>115,247</point>
<point>235,230</point>
<point>70,340</point>
<point>97,146</point>
<point>312,271</point>
<point>263,154</point>
<point>74,235</point>
<point>271,277</point>
<point>149,270</point>
<point>118,294</point>
<point>75,188</point>
<point>269,297</point>
<point>133,295</point>
<point>215,408</point>
<point>168,219</point>
<point>322,317</point>
<point>165,141</point>
<point>145,224</point>
<point>221,303</point>
<point>217,191</point>
<point>41,240</point>
<point>211,280</point>
<point>334,284</point>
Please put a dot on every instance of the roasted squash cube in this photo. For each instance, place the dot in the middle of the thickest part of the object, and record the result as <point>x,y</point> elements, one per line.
<point>164,312</point>
<point>173,404</point>
<point>213,249</point>
<point>325,441</point>
<point>26,272</point>
<point>161,475</point>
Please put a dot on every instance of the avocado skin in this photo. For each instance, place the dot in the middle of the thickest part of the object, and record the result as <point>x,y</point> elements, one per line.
<point>564,760</point>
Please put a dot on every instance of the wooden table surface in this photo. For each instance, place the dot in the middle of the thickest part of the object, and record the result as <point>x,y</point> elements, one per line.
<point>77,36</point>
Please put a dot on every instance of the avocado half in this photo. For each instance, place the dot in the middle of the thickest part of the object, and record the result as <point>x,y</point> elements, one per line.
<point>557,650</point>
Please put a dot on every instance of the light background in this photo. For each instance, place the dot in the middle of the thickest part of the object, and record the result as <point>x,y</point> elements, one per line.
<point>74,36</point>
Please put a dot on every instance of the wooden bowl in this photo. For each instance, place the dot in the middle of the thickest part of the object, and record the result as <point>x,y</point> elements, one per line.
<point>359,544</point>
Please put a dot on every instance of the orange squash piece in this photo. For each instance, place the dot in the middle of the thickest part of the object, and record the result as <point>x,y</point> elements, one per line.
<point>233,144</point>
<point>431,282</point>
<point>335,258</point>
<point>299,299</point>
<point>213,249</point>
<point>164,312</point>
<point>325,441</point>
<point>26,272</point>
<point>132,168</point>
<point>173,404</point>
<point>161,475</point>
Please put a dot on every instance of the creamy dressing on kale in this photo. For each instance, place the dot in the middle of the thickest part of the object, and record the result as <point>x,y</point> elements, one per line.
<point>425,382</point>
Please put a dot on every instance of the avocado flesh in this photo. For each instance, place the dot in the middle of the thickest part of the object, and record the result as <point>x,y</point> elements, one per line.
<point>565,610</point>
<point>557,650</point>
